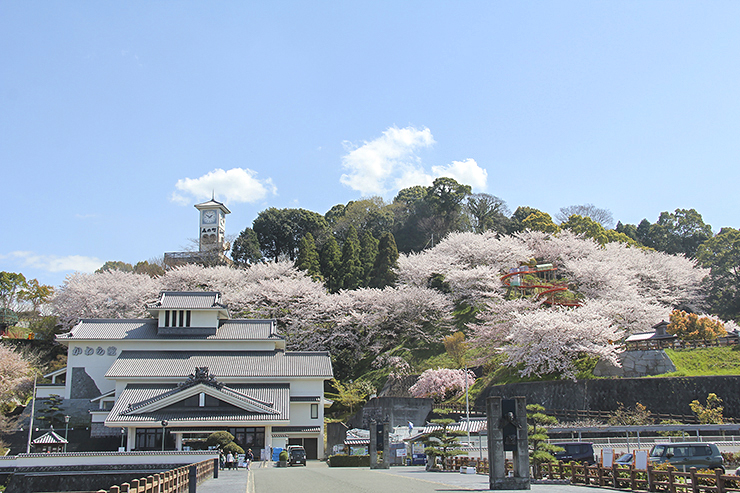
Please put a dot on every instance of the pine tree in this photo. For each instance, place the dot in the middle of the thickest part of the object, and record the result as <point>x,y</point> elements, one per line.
<point>308,258</point>
<point>351,269</point>
<point>383,273</point>
<point>443,442</point>
<point>330,259</point>
<point>540,449</point>
<point>368,254</point>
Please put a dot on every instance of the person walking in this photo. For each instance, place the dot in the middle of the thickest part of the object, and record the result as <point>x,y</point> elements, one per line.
<point>229,460</point>
<point>249,458</point>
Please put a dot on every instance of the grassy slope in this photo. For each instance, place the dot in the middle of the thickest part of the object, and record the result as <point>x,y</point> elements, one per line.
<point>705,361</point>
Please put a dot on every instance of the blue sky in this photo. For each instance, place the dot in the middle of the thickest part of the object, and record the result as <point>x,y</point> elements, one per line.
<point>117,117</point>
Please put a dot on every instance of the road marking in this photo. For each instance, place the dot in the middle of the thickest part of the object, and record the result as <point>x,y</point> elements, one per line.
<point>250,482</point>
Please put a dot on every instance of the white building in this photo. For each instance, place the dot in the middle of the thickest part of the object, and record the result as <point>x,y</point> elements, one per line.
<point>191,370</point>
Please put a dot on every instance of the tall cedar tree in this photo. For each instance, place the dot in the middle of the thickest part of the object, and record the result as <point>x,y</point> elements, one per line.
<point>330,259</point>
<point>384,270</point>
<point>308,257</point>
<point>368,254</point>
<point>351,269</point>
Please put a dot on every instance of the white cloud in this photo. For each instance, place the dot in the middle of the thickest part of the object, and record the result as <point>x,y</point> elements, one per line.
<point>234,185</point>
<point>53,263</point>
<point>371,166</point>
<point>467,172</point>
<point>389,163</point>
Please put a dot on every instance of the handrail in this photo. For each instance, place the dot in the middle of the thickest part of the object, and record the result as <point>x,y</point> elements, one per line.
<point>173,481</point>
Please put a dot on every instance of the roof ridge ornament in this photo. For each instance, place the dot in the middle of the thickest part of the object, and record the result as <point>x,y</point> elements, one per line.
<point>201,375</point>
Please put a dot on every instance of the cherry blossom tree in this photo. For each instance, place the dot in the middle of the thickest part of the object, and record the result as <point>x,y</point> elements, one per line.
<point>442,383</point>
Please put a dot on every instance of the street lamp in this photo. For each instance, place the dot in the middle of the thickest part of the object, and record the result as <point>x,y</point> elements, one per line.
<point>66,430</point>
<point>123,433</point>
<point>164,429</point>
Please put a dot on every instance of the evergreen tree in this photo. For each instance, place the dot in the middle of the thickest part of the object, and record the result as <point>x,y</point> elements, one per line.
<point>308,257</point>
<point>368,254</point>
<point>540,449</point>
<point>383,273</point>
<point>330,260</point>
<point>443,442</point>
<point>350,269</point>
<point>246,248</point>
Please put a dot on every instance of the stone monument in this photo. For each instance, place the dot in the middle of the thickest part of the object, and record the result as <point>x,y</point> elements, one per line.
<point>380,444</point>
<point>507,432</point>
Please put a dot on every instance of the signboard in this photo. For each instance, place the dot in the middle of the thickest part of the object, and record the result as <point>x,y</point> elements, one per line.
<point>641,459</point>
<point>607,457</point>
<point>400,452</point>
<point>417,448</point>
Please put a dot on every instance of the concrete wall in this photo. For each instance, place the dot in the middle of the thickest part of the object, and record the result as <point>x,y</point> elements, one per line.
<point>399,410</point>
<point>660,395</point>
<point>636,364</point>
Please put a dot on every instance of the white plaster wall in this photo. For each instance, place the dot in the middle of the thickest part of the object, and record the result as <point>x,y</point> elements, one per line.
<point>300,414</point>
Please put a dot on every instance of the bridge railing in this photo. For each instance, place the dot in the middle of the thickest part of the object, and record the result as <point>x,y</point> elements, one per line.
<point>180,480</point>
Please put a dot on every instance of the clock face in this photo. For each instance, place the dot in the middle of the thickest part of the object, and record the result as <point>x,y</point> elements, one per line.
<point>209,217</point>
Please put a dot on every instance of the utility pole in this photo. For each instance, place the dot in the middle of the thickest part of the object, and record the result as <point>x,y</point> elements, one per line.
<point>33,411</point>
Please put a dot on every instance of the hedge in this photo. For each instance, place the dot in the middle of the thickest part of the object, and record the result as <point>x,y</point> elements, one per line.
<point>349,461</point>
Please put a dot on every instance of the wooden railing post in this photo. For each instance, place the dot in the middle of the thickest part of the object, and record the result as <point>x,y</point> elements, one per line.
<point>671,483</point>
<point>720,481</point>
<point>192,478</point>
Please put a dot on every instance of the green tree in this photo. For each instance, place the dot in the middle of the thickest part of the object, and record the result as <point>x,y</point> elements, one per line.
<point>456,348</point>
<point>443,442</point>
<point>151,269</point>
<point>280,230</point>
<point>628,230</point>
<point>679,232</point>
<point>721,254</point>
<point>351,394</point>
<point>587,227</point>
<point>487,213</point>
<point>371,214</point>
<point>540,449</point>
<point>520,214</point>
<point>711,413</point>
<point>219,439</point>
<point>12,287</point>
<point>540,221</point>
<point>330,260</point>
<point>308,258</point>
<point>36,294</point>
<point>350,268</point>
<point>386,263</point>
<point>50,414</point>
<point>246,248</point>
<point>368,254</point>
<point>115,265</point>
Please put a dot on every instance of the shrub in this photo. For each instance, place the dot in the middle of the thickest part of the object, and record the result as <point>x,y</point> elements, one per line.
<point>349,461</point>
<point>283,456</point>
<point>233,448</point>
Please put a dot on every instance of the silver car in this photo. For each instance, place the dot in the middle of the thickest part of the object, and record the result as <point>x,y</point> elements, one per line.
<point>685,455</point>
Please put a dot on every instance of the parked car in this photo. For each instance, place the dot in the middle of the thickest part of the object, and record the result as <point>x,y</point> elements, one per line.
<point>624,459</point>
<point>576,452</point>
<point>296,455</point>
<point>685,455</point>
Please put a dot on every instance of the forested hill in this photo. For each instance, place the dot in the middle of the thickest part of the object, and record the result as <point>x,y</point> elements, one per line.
<point>354,245</point>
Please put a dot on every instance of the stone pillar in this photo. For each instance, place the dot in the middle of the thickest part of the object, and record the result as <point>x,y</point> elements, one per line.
<point>507,431</point>
<point>380,445</point>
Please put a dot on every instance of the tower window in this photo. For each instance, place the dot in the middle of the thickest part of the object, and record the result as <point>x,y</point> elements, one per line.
<point>187,318</point>
<point>314,411</point>
<point>182,318</point>
<point>166,318</point>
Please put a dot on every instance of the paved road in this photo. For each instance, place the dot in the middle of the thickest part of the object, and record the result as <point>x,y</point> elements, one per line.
<point>318,478</point>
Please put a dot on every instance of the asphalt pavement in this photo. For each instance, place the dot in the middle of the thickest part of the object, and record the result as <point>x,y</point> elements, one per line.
<point>317,477</point>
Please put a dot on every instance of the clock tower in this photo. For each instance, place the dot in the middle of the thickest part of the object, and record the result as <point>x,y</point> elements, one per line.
<point>212,226</point>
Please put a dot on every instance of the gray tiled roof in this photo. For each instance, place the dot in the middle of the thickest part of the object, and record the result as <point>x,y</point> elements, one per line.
<point>146,328</point>
<point>296,429</point>
<point>179,300</point>
<point>221,364</point>
<point>49,438</point>
<point>277,394</point>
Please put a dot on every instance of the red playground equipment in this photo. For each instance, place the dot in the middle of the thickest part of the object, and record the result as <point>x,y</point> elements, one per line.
<point>527,277</point>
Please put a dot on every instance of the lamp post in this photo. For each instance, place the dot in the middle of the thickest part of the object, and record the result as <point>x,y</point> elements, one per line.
<point>164,430</point>
<point>123,433</point>
<point>66,430</point>
<point>33,411</point>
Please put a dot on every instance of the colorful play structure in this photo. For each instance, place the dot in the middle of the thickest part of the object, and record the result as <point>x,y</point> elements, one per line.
<point>533,280</point>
